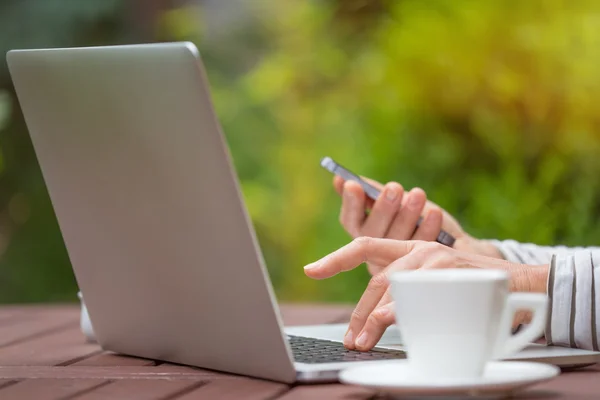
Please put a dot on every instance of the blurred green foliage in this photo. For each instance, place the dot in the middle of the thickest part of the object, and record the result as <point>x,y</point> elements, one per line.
<point>488,106</point>
<point>34,265</point>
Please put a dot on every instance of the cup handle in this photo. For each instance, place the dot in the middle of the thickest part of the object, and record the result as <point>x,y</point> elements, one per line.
<point>508,344</point>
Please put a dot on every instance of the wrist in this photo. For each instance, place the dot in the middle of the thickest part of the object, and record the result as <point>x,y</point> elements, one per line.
<point>490,249</point>
<point>530,278</point>
<point>478,246</point>
<point>538,275</point>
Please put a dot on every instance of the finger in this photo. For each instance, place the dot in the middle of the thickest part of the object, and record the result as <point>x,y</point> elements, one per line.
<point>416,259</point>
<point>372,183</point>
<point>430,226</point>
<point>406,219</point>
<point>354,326</point>
<point>375,327</point>
<point>383,212</point>
<point>338,184</point>
<point>370,202</point>
<point>371,297</point>
<point>387,298</point>
<point>360,250</point>
<point>352,213</point>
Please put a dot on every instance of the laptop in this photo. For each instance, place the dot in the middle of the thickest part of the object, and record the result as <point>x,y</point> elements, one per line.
<point>151,212</point>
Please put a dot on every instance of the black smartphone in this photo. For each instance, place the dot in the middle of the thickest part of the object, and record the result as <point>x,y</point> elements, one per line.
<point>327,162</point>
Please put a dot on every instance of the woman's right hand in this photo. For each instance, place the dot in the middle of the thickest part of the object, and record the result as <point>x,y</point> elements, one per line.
<point>394,215</point>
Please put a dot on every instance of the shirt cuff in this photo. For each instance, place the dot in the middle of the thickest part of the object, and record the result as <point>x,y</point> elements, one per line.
<point>572,289</point>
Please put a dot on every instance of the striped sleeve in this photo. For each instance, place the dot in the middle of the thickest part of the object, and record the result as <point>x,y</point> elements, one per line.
<point>573,290</point>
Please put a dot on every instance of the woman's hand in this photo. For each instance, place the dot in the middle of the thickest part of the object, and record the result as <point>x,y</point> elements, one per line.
<point>375,310</point>
<point>394,215</point>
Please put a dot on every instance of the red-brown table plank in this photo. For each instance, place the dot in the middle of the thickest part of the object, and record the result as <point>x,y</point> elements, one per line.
<point>46,336</point>
<point>330,392</point>
<point>187,370</point>
<point>113,373</point>
<point>577,384</point>
<point>49,389</point>
<point>176,368</point>
<point>9,317</point>
<point>6,382</point>
<point>159,389</point>
<point>114,360</point>
<point>24,324</point>
<point>52,349</point>
<point>38,309</point>
<point>248,389</point>
<point>533,394</point>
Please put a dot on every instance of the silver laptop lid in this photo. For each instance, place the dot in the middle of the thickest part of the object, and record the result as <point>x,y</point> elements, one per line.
<point>149,206</point>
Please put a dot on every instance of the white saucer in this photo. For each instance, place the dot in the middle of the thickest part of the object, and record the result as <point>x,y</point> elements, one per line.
<point>499,378</point>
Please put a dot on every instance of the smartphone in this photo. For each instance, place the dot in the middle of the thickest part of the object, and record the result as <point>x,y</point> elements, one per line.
<point>327,162</point>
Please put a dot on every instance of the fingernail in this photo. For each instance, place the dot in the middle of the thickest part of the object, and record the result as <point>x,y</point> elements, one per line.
<point>311,266</point>
<point>362,339</point>
<point>391,194</point>
<point>413,200</point>
<point>383,311</point>
<point>348,338</point>
<point>349,196</point>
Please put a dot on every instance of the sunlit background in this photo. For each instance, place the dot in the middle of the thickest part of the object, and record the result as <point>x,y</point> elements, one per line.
<point>490,106</point>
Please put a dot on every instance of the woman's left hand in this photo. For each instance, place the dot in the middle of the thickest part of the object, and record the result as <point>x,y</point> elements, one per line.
<point>375,310</point>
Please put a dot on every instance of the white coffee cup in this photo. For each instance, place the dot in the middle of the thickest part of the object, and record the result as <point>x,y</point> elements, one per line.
<point>454,321</point>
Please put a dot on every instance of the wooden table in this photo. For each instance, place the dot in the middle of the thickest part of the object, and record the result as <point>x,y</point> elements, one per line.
<point>43,355</point>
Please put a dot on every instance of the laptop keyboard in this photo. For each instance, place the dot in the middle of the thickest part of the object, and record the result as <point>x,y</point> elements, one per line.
<point>316,351</point>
